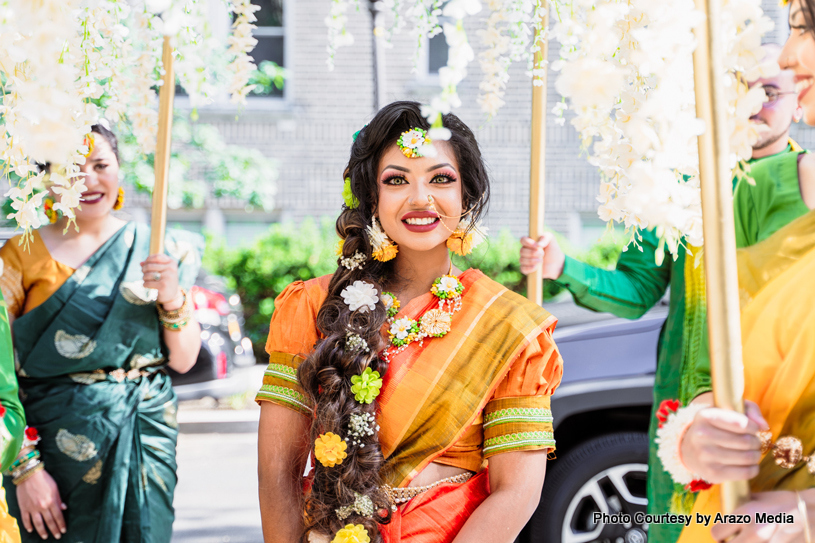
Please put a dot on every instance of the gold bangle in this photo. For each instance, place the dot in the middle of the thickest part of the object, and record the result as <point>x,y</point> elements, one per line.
<point>26,475</point>
<point>802,508</point>
<point>176,319</point>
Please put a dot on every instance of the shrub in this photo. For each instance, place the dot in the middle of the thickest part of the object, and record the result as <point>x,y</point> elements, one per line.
<point>287,252</point>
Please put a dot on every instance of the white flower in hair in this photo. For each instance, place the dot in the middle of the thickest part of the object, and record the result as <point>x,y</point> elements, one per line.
<point>360,295</point>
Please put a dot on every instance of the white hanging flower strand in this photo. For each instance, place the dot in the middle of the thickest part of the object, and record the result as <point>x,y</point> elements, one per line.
<point>360,296</point>
<point>60,58</point>
<point>639,126</point>
<point>241,43</point>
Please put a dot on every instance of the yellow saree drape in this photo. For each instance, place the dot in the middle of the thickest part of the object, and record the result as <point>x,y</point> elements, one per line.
<point>777,286</point>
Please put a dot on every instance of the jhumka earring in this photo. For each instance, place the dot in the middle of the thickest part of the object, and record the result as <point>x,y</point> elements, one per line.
<point>120,200</point>
<point>384,248</point>
<point>465,237</point>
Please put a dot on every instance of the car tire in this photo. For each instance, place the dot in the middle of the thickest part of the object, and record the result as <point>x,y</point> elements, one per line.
<point>604,474</point>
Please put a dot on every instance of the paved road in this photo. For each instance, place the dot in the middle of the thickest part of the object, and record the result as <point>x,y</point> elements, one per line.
<point>216,498</point>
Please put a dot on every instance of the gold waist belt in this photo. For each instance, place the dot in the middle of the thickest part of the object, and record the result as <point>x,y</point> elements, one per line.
<point>398,495</point>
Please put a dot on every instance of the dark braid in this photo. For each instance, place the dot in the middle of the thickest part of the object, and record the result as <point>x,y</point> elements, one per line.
<point>326,374</point>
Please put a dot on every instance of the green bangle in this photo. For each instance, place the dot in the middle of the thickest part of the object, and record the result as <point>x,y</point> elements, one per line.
<point>34,453</point>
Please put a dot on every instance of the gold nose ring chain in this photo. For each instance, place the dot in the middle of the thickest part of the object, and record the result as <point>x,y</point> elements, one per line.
<point>468,212</point>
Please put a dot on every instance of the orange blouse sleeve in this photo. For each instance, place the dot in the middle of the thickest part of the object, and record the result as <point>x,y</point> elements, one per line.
<point>11,277</point>
<point>292,335</point>
<point>518,416</point>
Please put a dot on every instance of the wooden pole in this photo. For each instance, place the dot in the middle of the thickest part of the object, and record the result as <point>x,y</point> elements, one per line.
<point>158,219</point>
<point>724,322</point>
<point>537,173</point>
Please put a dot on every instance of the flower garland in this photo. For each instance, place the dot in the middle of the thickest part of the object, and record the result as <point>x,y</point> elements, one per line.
<point>434,323</point>
<point>241,43</point>
<point>66,65</point>
<point>626,72</point>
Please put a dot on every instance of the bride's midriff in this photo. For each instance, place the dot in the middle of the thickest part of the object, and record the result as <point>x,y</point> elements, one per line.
<point>435,472</point>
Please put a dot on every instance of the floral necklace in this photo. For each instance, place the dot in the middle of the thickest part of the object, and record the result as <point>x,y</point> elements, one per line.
<point>434,323</point>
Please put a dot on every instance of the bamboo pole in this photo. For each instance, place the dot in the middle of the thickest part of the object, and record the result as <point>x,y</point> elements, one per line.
<point>537,173</point>
<point>158,219</point>
<point>721,273</point>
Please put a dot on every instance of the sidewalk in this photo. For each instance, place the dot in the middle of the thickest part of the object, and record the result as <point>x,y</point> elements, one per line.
<point>216,500</point>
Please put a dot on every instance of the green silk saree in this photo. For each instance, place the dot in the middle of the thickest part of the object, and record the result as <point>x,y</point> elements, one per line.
<point>90,365</point>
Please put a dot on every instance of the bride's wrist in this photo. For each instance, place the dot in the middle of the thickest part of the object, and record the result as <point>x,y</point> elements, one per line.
<point>173,303</point>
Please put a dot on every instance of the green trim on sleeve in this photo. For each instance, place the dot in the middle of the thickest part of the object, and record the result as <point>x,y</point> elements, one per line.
<point>518,442</point>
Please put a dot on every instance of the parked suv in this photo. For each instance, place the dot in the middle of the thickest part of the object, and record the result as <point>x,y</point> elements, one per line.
<point>601,413</point>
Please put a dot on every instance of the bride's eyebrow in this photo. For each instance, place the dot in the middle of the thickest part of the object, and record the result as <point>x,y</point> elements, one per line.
<point>400,168</point>
<point>793,15</point>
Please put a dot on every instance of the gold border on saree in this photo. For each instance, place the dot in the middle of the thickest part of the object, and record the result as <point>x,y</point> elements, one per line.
<point>397,495</point>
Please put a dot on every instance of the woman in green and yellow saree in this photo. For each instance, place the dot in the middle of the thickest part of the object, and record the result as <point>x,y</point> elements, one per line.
<point>96,318</point>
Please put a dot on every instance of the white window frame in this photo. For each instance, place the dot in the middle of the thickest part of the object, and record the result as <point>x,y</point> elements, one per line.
<point>222,104</point>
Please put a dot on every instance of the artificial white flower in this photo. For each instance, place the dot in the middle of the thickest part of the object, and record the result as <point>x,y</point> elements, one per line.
<point>400,328</point>
<point>387,300</point>
<point>413,139</point>
<point>447,284</point>
<point>360,296</point>
<point>668,442</point>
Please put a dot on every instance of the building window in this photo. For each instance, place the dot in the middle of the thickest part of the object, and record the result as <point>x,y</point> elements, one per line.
<point>270,52</point>
<point>437,52</point>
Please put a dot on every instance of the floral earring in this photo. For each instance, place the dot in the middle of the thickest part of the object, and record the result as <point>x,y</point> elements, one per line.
<point>120,200</point>
<point>48,207</point>
<point>384,248</point>
<point>464,238</point>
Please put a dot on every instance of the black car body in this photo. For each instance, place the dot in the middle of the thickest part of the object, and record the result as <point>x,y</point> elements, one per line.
<point>601,414</point>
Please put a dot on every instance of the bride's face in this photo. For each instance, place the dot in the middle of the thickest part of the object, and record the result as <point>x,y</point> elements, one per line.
<point>798,55</point>
<point>404,209</point>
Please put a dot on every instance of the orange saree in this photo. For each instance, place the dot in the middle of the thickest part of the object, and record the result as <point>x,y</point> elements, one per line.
<point>481,390</point>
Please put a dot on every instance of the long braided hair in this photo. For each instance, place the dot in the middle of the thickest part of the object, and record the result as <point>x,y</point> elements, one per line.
<point>325,375</point>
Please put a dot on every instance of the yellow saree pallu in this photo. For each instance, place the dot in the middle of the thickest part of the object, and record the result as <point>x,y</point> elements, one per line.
<point>9,531</point>
<point>777,287</point>
<point>494,372</point>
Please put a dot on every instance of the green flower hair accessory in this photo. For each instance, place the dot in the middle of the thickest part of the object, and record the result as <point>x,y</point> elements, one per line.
<point>350,200</point>
<point>366,386</point>
<point>411,141</point>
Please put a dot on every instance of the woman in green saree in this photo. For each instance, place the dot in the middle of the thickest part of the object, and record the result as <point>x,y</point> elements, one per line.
<point>96,318</point>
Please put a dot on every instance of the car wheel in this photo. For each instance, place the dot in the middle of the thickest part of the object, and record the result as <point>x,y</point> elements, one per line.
<point>606,474</point>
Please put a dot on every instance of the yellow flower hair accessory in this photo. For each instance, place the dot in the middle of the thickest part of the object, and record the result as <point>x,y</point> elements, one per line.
<point>348,197</point>
<point>340,244</point>
<point>784,3</point>
<point>329,449</point>
<point>366,386</point>
<point>383,248</point>
<point>352,533</point>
